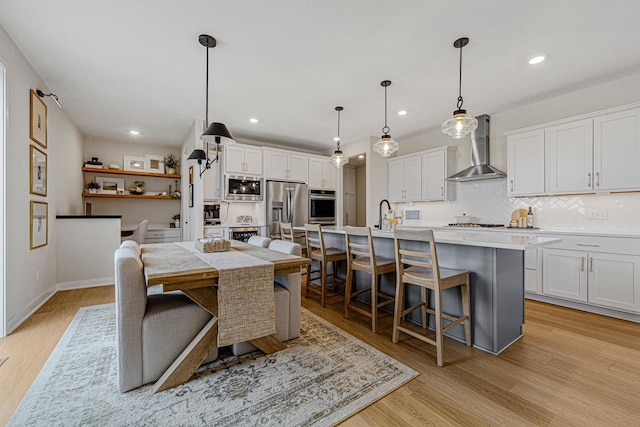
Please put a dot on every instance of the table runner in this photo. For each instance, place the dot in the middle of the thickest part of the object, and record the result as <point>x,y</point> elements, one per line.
<point>246,303</point>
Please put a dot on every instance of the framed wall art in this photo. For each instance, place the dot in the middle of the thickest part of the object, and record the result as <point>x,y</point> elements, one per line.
<point>154,163</point>
<point>134,163</point>
<point>190,195</point>
<point>38,120</point>
<point>38,171</point>
<point>110,185</point>
<point>191,174</point>
<point>39,230</point>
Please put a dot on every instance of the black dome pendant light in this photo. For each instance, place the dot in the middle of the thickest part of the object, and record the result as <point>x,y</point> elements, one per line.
<point>216,132</point>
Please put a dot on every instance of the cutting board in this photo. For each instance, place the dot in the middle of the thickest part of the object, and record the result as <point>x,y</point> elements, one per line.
<point>518,213</point>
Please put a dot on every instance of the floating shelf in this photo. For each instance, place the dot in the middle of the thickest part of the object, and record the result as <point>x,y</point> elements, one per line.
<point>133,173</point>
<point>127,196</point>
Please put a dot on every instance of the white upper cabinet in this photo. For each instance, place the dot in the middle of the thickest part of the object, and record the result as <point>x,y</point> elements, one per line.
<point>616,148</point>
<point>437,165</point>
<point>285,166</point>
<point>240,159</point>
<point>322,173</point>
<point>211,180</point>
<point>569,157</point>
<point>405,179</point>
<point>525,163</point>
<point>597,152</point>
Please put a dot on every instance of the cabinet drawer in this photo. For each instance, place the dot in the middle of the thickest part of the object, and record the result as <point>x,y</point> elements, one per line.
<point>167,233</point>
<point>618,245</point>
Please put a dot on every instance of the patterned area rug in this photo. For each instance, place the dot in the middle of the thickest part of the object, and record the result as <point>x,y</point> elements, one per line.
<point>322,378</point>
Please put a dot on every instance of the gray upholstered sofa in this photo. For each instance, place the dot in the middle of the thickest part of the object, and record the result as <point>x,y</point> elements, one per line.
<point>287,300</point>
<point>152,330</point>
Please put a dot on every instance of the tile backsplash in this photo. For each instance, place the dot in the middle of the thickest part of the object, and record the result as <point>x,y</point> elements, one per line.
<point>488,201</point>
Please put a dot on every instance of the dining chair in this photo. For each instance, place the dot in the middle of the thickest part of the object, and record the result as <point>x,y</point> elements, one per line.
<point>361,256</point>
<point>417,250</point>
<point>317,251</point>
<point>139,234</point>
<point>286,231</point>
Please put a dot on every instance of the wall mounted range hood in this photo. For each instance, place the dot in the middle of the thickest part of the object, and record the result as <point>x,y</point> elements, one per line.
<point>480,167</point>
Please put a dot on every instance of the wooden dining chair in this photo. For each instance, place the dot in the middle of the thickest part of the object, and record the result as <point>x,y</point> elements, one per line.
<point>361,256</point>
<point>317,251</point>
<point>423,270</point>
<point>286,231</point>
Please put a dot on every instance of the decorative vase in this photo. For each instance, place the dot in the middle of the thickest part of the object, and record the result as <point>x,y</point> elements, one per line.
<point>171,171</point>
<point>177,223</point>
<point>93,191</point>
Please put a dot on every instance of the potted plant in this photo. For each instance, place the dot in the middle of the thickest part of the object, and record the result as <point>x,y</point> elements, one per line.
<point>176,220</point>
<point>170,164</point>
<point>93,187</point>
<point>139,188</point>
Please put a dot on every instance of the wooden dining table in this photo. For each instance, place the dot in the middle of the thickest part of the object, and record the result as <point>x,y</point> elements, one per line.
<point>177,269</point>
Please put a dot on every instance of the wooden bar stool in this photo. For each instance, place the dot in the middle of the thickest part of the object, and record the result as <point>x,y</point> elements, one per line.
<point>316,250</point>
<point>362,257</point>
<point>424,271</point>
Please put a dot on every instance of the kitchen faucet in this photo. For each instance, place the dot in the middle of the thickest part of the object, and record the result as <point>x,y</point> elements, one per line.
<point>380,212</point>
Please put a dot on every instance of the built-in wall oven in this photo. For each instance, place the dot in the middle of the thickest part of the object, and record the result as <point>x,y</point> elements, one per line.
<point>322,207</point>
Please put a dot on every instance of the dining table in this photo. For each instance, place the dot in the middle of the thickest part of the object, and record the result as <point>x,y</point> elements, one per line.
<point>180,267</point>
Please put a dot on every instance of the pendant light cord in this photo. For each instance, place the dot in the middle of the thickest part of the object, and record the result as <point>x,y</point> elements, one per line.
<point>206,107</point>
<point>459,104</point>
<point>338,130</point>
<point>385,129</point>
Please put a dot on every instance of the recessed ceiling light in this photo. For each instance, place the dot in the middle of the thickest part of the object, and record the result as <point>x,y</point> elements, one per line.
<point>361,156</point>
<point>134,132</point>
<point>402,112</point>
<point>253,120</point>
<point>537,59</point>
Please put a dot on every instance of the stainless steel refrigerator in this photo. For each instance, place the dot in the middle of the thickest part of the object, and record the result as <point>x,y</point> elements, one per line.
<point>286,202</point>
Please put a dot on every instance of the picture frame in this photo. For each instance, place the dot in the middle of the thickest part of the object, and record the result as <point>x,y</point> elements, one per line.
<point>110,185</point>
<point>39,224</point>
<point>135,163</point>
<point>190,195</point>
<point>191,174</point>
<point>37,171</point>
<point>154,163</point>
<point>37,119</point>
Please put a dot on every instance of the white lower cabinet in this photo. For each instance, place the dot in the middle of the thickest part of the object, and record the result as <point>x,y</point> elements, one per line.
<point>607,279</point>
<point>533,270</point>
<point>163,235</point>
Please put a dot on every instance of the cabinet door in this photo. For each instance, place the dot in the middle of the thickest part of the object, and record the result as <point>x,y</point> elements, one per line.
<point>565,274</point>
<point>315,172</point>
<point>253,161</point>
<point>297,167</point>
<point>350,209</point>
<point>569,157</point>
<point>433,176</point>
<point>614,280</point>
<point>350,183</point>
<point>525,163</point>
<point>329,174</point>
<point>616,146</point>
<point>276,165</point>
<point>396,181</point>
<point>234,159</point>
<point>533,270</point>
<point>413,179</point>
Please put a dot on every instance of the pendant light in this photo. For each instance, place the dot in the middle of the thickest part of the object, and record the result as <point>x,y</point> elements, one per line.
<point>216,132</point>
<point>338,158</point>
<point>386,145</point>
<point>461,124</point>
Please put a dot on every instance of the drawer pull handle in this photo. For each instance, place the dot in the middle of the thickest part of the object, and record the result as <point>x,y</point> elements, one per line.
<point>511,185</point>
<point>590,264</point>
<point>597,179</point>
<point>582,264</point>
<point>587,244</point>
<point>588,179</point>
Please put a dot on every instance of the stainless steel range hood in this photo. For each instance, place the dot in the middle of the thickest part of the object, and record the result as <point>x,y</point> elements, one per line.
<point>480,167</point>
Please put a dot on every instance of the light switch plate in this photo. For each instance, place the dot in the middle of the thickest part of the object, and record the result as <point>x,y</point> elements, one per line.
<point>597,214</point>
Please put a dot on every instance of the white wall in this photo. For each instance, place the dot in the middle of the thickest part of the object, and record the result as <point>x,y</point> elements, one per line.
<point>158,212</point>
<point>24,293</point>
<point>488,199</point>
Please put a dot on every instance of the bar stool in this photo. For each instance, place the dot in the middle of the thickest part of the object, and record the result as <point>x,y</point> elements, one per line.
<point>316,250</point>
<point>362,257</point>
<point>424,271</point>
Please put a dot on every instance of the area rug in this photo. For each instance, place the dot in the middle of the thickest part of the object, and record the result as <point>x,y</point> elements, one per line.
<point>322,378</point>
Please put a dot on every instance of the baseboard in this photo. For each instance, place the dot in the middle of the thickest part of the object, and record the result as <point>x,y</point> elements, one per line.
<point>87,283</point>
<point>584,307</point>
<point>17,320</point>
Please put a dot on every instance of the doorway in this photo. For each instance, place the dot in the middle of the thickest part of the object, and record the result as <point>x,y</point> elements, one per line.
<point>355,191</point>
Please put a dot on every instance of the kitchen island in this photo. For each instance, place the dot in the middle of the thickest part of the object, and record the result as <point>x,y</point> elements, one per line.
<point>496,263</point>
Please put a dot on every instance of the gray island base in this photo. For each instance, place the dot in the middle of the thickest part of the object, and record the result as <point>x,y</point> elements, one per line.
<point>496,263</point>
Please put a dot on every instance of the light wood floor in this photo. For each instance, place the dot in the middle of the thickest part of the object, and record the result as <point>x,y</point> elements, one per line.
<point>571,368</point>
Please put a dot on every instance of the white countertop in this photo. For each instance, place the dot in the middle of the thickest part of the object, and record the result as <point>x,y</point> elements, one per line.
<point>544,231</point>
<point>470,238</point>
<point>235,225</point>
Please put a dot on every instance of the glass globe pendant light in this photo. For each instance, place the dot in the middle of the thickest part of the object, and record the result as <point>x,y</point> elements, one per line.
<point>461,124</point>
<point>338,158</point>
<point>386,145</point>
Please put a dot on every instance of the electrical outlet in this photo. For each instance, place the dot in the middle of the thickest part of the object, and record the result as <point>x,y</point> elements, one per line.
<point>597,214</point>
<point>37,274</point>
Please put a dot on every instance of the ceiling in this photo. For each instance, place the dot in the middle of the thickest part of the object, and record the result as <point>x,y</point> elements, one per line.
<point>118,65</point>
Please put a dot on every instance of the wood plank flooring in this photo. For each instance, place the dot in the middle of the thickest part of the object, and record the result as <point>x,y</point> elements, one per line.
<point>571,368</point>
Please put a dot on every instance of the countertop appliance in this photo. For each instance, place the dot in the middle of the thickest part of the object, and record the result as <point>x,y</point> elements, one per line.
<point>242,233</point>
<point>322,207</point>
<point>247,188</point>
<point>211,214</point>
<point>286,202</point>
